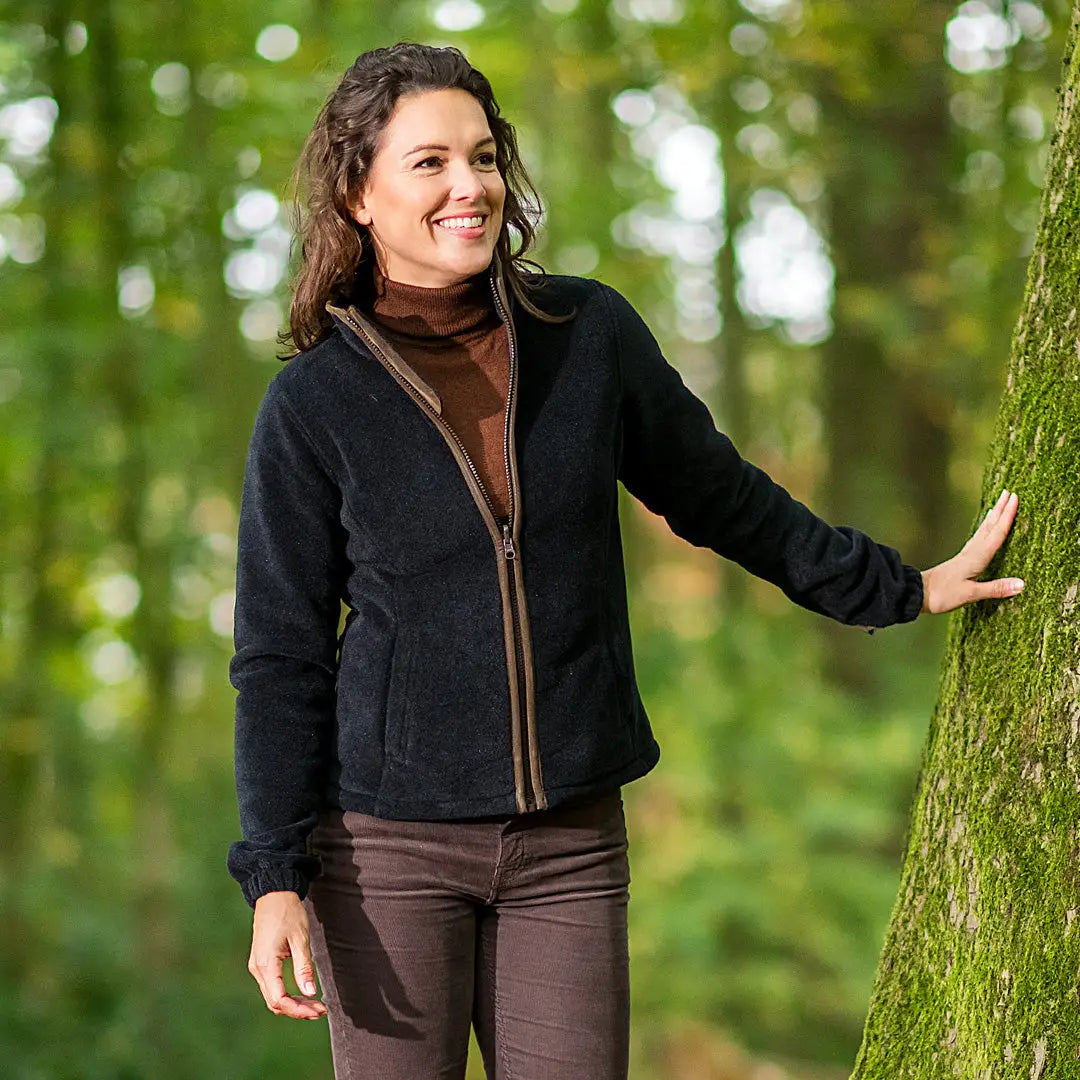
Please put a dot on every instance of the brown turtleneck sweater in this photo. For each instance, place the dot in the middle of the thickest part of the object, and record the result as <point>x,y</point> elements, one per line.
<point>454,339</point>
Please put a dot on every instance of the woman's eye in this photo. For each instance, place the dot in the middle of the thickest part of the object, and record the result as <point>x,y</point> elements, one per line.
<point>487,158</point>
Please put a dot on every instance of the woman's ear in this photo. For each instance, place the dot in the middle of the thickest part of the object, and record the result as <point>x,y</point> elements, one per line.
<point>361,215</point>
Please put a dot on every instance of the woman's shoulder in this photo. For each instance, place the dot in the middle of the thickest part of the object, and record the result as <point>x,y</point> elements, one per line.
<point>559,293</point>
<point>315,364</point>
<point>309,384</point>
<point>560,284</point>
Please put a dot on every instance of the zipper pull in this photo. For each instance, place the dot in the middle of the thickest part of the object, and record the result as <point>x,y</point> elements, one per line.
<point>508,542</point>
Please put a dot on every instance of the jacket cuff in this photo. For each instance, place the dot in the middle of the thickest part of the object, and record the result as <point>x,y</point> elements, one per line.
<point>912,605</point>
<point>914,580</point>
<point>266,881</point>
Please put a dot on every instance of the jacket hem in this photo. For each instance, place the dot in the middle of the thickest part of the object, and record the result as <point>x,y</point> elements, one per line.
<point>486,806</point>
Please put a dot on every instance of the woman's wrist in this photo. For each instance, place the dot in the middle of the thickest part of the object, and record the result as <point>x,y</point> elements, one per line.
<point>277,896</point>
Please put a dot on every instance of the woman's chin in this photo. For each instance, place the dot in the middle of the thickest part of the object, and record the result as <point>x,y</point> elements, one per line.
<point>446,268</point>
<point>467,263</point>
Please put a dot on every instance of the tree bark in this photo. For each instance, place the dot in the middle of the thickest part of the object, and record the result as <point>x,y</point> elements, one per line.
<point>978,975</point>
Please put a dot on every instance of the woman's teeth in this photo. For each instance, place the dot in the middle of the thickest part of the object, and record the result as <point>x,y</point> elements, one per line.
<point>461,222</point>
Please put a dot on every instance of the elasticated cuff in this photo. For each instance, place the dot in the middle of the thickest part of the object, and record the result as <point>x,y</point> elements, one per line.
<point>266,881</point>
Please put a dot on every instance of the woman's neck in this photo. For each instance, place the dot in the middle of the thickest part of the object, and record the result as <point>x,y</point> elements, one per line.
<point>430,312</point>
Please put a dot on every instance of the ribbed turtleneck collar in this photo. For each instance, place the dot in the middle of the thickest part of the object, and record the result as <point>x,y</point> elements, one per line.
<point>423,312</point>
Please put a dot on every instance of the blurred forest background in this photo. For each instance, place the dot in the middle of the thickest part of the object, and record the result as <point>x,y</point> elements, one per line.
<point>824,211</point>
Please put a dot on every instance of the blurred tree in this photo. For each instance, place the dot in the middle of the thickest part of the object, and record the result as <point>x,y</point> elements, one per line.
<point>978,973</point>
<point>146,551</point>
<point>885,128</point>
<point>26,753</point>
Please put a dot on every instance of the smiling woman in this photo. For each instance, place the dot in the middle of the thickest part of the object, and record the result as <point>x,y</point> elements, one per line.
<point>430,797</point>
<point>411,137</point>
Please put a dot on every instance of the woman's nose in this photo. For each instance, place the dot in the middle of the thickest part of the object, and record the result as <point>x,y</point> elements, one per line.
<point>465,183</point>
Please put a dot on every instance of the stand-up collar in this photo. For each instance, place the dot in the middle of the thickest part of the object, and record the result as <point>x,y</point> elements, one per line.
<point>423,312</point>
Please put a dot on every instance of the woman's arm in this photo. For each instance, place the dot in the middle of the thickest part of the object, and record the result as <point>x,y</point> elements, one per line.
<point>680,466</point>
<point>290,575</point>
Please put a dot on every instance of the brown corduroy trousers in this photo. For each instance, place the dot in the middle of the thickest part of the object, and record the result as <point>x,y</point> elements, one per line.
<point>516,925</point>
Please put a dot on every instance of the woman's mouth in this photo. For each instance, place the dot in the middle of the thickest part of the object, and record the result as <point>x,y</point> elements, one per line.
<point>467,226</point>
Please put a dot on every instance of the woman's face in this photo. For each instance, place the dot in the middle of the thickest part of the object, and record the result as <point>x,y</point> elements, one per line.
<point>434,166</point>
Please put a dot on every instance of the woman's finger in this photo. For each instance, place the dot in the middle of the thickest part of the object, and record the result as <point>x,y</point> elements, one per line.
<point>998,589</point>
<point>956,592</point>
<point>267,972</point>
<point>256,974</point>
<point>303,968</point>
<point>999,517</point>
<point>1001,514</point>
<point>279,1001</point>
<point>976,554</point>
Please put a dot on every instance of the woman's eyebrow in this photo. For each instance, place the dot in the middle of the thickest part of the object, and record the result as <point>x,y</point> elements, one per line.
<point>436,146</point>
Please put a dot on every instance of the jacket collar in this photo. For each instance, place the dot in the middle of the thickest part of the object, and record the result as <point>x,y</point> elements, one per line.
<point>497,274</point>
<point>353,324</point>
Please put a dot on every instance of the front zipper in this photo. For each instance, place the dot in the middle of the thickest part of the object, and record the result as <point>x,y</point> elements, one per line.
<point>528,783</point>
<point>534,780</point>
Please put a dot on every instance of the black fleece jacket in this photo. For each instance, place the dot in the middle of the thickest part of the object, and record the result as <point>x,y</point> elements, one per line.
<point>485,666</point>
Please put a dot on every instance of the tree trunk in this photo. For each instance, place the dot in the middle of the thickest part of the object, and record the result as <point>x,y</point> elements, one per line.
<point>733,401</point>
<point>978,975</point>
<point>29,746</point>
<point>154,931</point>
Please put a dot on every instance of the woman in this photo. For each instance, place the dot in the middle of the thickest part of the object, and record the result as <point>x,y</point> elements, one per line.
<point>434,795</point>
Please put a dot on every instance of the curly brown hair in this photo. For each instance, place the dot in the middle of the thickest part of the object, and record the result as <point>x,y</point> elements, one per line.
<point>336,158</point>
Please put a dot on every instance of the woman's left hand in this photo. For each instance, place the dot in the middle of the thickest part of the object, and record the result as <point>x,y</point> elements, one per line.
<point>952,583</point>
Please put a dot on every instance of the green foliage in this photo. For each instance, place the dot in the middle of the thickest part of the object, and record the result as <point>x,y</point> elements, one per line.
<point>766,847</point>
<point>768,844</point>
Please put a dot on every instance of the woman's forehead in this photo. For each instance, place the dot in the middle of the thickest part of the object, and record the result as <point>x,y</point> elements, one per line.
<point>447,118</point>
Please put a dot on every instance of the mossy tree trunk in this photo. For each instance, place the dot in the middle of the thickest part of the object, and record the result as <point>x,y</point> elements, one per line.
<point>979,973</point>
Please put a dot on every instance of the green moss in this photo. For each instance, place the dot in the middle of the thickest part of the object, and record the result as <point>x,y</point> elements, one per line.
<point>978,973</point>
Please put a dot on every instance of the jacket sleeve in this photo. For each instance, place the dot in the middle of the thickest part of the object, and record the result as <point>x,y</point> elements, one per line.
<point>680,466</point>
<point>290,577</point>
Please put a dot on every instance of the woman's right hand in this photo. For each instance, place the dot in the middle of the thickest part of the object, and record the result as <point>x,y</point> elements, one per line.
<point>952,583</point>
<point>280,930</point>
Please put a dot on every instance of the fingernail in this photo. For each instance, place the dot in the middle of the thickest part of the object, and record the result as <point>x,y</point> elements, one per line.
<point>309,988</point>
<point>1016,584</point>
